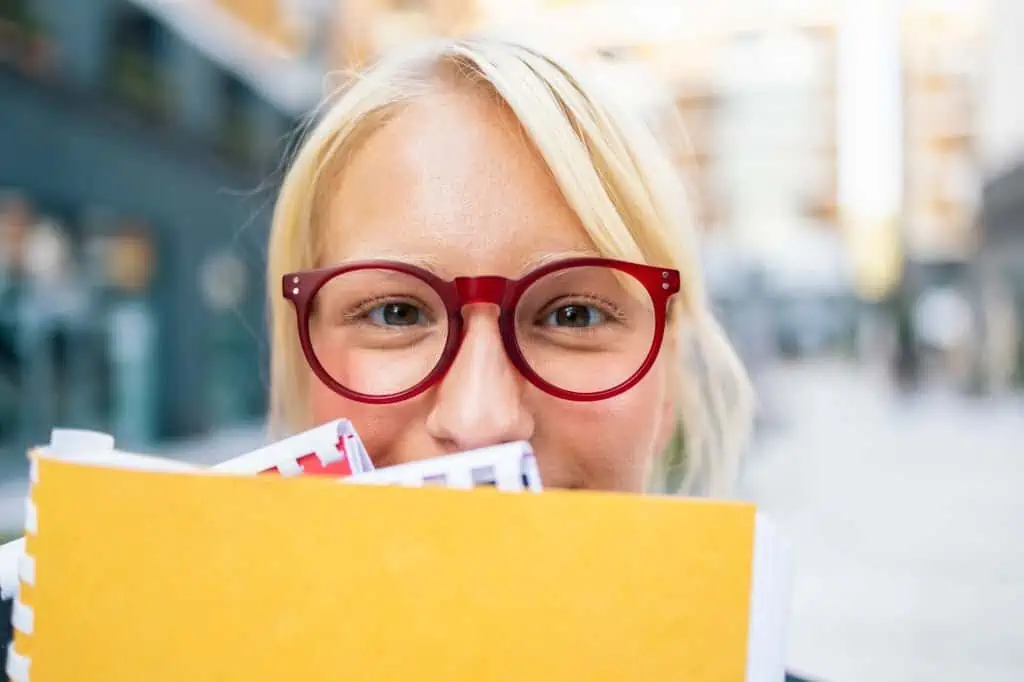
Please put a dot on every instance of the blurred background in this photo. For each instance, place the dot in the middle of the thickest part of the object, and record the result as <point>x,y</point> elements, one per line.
<point>857,168</point>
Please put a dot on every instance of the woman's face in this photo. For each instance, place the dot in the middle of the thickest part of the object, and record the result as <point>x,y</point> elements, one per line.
<point>450,184</point>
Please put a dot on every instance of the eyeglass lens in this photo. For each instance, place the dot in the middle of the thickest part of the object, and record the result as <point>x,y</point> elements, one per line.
<point>582,329</point>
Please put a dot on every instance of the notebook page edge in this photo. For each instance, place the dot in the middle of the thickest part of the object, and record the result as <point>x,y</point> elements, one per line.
<point>769,603</point>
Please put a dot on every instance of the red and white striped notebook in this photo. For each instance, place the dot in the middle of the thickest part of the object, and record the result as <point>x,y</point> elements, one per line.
<point>333,449</point>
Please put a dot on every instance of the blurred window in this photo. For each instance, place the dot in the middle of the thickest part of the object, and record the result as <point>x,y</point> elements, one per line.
<point>23,38</point>
<point>135,70</point>
<point>14,11</point>
<point>236,130</point>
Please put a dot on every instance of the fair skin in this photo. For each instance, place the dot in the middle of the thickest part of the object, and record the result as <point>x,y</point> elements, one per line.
<point>452,185</point>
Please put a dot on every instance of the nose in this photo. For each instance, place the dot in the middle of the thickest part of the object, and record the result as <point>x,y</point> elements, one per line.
<point>479,402</point>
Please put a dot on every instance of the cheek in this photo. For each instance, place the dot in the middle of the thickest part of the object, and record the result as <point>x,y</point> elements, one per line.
<point>604,445</point>
<point>325,404</point>
<point>378,427</point>
<point>384,430</point>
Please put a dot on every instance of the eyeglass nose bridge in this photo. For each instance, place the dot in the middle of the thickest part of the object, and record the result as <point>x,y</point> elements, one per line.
<point>485,289</point>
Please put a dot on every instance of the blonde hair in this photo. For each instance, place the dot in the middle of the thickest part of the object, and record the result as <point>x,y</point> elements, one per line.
<point>612,170</point>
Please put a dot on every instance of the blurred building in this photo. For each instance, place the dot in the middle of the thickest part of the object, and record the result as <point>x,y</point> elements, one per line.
<point>942,58</point>
<point>141,141</point>
<point>1000,133</point>
<point>367,28</point>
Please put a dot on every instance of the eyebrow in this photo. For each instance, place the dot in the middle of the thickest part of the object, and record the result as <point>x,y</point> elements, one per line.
<point>552,256</point>
<point>420,260</point>
<point>434,265</point>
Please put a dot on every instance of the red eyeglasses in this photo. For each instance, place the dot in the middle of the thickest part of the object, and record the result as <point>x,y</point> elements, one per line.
<point>580,329</point>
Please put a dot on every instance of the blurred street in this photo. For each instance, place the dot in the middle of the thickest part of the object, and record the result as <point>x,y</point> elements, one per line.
<point>905,514</point>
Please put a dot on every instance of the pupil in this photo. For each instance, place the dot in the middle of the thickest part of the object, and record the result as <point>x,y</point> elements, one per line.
<point>572,316</point>
<point>401,314</point>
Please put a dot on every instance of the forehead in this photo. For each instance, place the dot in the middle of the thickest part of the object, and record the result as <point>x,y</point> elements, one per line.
<point>453,183</point>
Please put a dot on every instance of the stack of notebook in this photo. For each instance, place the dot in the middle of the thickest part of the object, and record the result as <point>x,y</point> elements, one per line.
<point>302,562</point>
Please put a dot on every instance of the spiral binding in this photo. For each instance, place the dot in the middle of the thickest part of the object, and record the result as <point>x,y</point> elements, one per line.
<point>17,665</point>
<point>22,615</point>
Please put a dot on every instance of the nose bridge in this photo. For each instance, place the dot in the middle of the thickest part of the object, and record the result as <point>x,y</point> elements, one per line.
<point>479,401</point>
<point>485,289</point>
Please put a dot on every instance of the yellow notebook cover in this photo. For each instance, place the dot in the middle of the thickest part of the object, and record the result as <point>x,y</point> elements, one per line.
<point>141,575</point>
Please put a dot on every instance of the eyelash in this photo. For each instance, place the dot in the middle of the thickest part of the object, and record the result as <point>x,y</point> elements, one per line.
<point>607,308</point>
<point>362,308</point>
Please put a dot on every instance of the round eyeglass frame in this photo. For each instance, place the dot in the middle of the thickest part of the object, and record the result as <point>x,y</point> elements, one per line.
<point>301,288</point>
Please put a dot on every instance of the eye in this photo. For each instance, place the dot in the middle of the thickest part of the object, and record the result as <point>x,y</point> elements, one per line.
<point>575,315</point>
<point>396,314</point>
